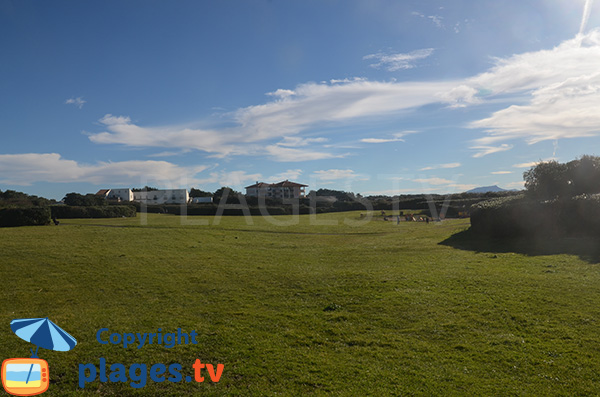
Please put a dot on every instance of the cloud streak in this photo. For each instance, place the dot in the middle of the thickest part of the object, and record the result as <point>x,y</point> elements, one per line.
<point>587,9</point>
<point>394,62</point>
<point>440,166</point>
<point>563,90</point>
<point>78,102</point>
<point>281,122</point>
<point>27,168</point>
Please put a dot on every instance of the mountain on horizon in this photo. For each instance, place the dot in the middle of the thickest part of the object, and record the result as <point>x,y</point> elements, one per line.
<point>487,189</point>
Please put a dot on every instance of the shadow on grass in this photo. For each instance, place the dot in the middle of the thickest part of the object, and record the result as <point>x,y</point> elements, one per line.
<point>586,248</point>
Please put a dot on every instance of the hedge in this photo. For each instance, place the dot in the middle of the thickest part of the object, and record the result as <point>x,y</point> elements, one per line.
<point>112,211</point>
<point>519,216</point>
<point>32,216</point>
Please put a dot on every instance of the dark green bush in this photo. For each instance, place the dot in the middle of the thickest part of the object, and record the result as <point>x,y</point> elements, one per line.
<point>111,211</point>
<point>32,216</point>
<point>523,217</point>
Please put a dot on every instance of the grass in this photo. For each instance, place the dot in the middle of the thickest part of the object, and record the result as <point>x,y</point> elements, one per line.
<point>374,309</point>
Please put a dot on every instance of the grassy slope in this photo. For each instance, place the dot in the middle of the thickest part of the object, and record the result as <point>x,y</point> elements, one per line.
<point>411,316</point>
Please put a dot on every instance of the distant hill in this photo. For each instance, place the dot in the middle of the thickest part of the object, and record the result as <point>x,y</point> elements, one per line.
<point>486,189</point>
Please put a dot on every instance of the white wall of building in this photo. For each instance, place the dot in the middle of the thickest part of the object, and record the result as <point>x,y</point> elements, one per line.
<point>120,194</point>
<point>166,196</point>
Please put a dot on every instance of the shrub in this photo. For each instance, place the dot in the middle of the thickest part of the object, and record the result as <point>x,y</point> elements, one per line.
<point>519,216</point>
<point>112,211</point>
<point>32,216</point>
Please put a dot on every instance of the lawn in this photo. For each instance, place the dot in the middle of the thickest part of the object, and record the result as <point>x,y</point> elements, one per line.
<point>351,307</point>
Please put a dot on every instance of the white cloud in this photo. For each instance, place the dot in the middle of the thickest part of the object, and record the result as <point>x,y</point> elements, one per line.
<point>235,179</point>
<point>336,174</point>
<point>317,105</point>
<point>393,62</point>
<point>239,179</point>
<point>560,86</point>
<point>532,163</point>
<point>166,154</point>
<point>281,93</point>
<point>436,19</point>
<point>515,185</point>
<point>78,102</point>
<point>396,137</point>
<point>286,175</point>
<point>484,150</point>
<point>555,94</point>
<point>298,141</point>
<point>381,140</point>
<point>25,169</point>
<point>434,181</point>
<point>442,184</point>
<point>525,165</point>
<point>501,172</point>
<point>568,109</point>
<point>311,106</point>
<point>286,154</point>
<point>440,166</point>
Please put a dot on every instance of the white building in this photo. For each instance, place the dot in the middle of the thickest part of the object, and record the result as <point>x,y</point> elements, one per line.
<point>120,195</point>
<point>166,196</point>
<point>201,200</point>
<point>281,190</point>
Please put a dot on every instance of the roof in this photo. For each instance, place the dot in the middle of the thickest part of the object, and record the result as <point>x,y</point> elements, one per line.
<point>258,184</point>
<point>103,192</point>
<point>285,183</point>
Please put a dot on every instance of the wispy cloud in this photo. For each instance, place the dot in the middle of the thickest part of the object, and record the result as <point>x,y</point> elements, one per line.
<point>525,165</point>
<point>336,175</point>
<point>440,166</point>
<point>554,94</point>
<point>278,125</point>
<point>393,62</point>
<point>587,9</point>
<point>485,150</point>
<point>296,141</point>
<point>515,185</point>
<point>501,172</point>
<point>78,102</point>
<point>27,168</point>
<point>561,87</point>
<point>530,164</point>
<point>444,184</point>
<point>435,19</point>
<point>286,175</point>
<point>287,154</point>
<point>396,137</point>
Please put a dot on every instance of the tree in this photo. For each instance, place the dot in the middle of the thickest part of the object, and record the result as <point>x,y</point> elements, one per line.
<point>144,189</point>
<point>230,194</point>
<point>199,193</point>
<point>584,175</point>
<point>11,198</point>
<point>550,179</point>
<point>547,180</point>
<point>89,200</point>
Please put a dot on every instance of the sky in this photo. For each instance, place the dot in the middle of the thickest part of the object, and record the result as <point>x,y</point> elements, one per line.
<point>369,96</point>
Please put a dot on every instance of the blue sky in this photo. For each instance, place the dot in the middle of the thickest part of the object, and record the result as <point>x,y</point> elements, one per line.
<point>376,97</point>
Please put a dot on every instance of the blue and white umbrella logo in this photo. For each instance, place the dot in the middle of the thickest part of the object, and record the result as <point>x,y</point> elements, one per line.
<point>43,333</point>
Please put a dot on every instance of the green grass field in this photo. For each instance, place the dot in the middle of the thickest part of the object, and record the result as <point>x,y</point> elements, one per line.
<point>371,309</point>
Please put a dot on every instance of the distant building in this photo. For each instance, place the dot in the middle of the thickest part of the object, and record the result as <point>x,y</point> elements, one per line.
<point>281,190</point>
<point>166,196</point>
<point>120,195</point>
<point>199,200</point>
<point>103,193</point>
